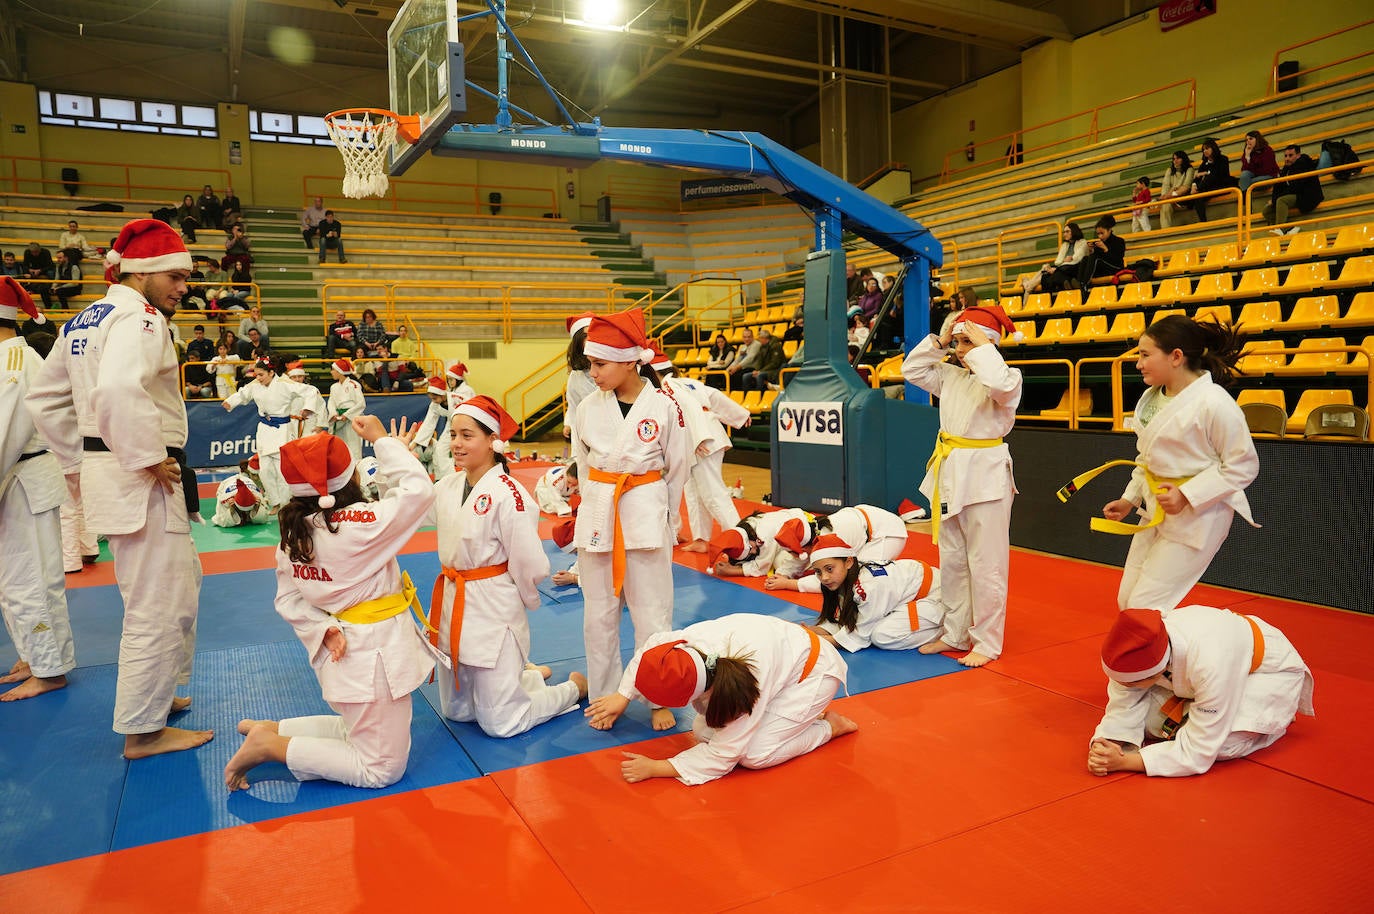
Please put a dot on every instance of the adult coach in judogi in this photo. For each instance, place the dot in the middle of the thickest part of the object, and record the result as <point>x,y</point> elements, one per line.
<point>108,401</point>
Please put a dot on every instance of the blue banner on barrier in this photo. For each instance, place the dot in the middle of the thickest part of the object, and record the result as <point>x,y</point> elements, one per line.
<point>218,438</point>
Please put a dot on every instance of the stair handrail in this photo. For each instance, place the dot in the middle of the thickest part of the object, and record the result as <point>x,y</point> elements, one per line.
<point>1274,67</point>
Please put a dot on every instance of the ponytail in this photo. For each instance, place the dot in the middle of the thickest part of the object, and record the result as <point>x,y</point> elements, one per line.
<point>297,531</point>
<point>734,690</point>
<point>649,375</point>
<point>838,605</point>
<point>577,358</point>
<point>1207,345</point>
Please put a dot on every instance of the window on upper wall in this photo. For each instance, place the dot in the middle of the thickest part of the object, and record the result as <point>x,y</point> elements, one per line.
<point>275,127</point>
<point>102,112</point>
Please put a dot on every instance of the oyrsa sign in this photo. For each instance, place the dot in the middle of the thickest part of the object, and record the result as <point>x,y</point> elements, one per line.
<point>811,423</point>
<point>1181,12</point>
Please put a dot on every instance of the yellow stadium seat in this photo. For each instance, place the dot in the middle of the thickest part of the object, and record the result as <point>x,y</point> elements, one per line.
<point>1083,407</point>
<point>1011,304</point>
<point>1027,331</point>
<point>1068,300</point>
<point>1101,297</point>
<point>1166,312</point>
<point>1305,245</point>
<point>1271,396</point>
<point>1361,311</point>
<point>1258,359</point>
<point>1255,283</point>
<point>1258,316</point>
<point>1056,330</point>
<point>737,396</point>
<point>1092,327</point>
<point>751,401</point>
<point>1316,357</point>
<point>1311,313</point>
<point>766,400</point>
<point>1358,271</point>
<point>889,371</point>
<point>1359,362</point>
<point>1128,325</point>
<point>1333,421</point>
<point>1172,290</point>
<point>1210,288</point>
<point>1265,420</point>
<point>1261,250</point>
<point>1307,277</point>
<point>1138,293</point>
<point>1353,239</point>
<point>1040,301</point>
<point>1219,313</point>
<point>1222,255</point>
<point>1184,261</point>
<point>1310,400</point>
<point>789,347</point>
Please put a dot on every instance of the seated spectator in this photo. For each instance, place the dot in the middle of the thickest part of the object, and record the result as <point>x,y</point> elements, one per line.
<point>68,276</point>
<point>718,358</point>
<point>1213,173</point>
<point>367,371</point>
<point>331,235</point>
<point>393,376</point>
<point>872,299</point>
<point>10,267</point>
<point>770,362</point>
<point>194,299</point>
<point>863,276</point>
<point>231,210</point>
<point>188,217</point>
<point>225,366</point>
<point>796,328</point>
<point>38,265</point>
<point>1301,194</point>
<point>891,330</point>
<point>240,283</point>
<point>72,239</point>
<point>343,334</point>
<point>250,346</point>
<point>211,211</point>
<point>746,357</point>
<point>858,329</point>
<point>1106,255</point>
<point>371,333</point>
<point>1177,182</point>
<point>854,286</point>
<point>1056,274</point>
<point>1257,161</point>
<point>311,217</point>
<point>403,347</point>
<point>199,382</point>
<point>253,321</point>
<point>238,246</point>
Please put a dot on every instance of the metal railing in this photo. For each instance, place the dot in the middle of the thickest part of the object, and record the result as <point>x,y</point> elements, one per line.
<point>1274,67</point>
<point>183,315</point>
<point>108,176</point>
<point>1267,183</point>
<point>428,366</point>
<point>464,199</point>
<point>1072,369</point>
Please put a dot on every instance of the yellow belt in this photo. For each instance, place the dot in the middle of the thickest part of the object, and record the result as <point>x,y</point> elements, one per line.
<point>622,481</point>
<point>1102,524</point>
<point>371,612</point>
<point>945,445</point>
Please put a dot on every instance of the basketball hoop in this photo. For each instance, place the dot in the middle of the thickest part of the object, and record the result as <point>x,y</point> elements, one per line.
<point>365,136</point>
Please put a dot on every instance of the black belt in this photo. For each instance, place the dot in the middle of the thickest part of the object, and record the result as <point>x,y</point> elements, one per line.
<point>23,457</point>
<point>99,446</point>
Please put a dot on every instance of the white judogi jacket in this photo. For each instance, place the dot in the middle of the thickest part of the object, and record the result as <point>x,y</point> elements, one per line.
<point>709,410</point>
<point>459,395</point>
<point>226,511</point>
<point>352,566</point>
<point>312,402</point>
<point>864,527</point>
<point>771,557</point>
<point>580,385</point>
<point>1201,433</point>
<point>777,652</point>
<point>113,375</point>
<point>880,591</point>
<point>654,436</point>
<point>975,402</point>
<point>346,402</point>
<point>278,400</point>
<point>432,427</point>
<point>1212,650</point>
<point>552,491</point>
<point>498,523</point>
<point>40,477</point>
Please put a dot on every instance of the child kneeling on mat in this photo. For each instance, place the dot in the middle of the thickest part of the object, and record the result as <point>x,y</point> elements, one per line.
<point>339,586</point>
<point>761,688</point>
<point>893,607</point>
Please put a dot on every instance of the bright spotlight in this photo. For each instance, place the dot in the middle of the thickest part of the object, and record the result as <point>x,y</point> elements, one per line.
<point>604,13</point>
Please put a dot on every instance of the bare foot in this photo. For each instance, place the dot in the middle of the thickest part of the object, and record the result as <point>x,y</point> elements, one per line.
<point>544,671</point>
<point>935,647</point>
<point>663,719</point>
<point>168,739</point>
<point>581,681</point>
<point>35,685</point>
<point>839,724</point>
<point>973,658</point>
<point>180,703</point>
<point>262,744</point>
<point>18,673</point>
<point>696,546</point>
<point>245,725</point>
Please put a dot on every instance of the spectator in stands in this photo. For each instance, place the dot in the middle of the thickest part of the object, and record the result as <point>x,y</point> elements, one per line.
<point>872,299</point>
<point>241,286</point>
<point>231,209</point>
<point>718,358</point>
<point>403,347</point>
<point>796,330</point>
<point>1177,182</point>
<point>854,286</point>
<point>311,217</point>
<point>331,235</point>
<point>367,371</point>
<point>1301,194</point>
<point>237,246</point>
<point>10,267</point>
<point>770,361</point>
<point>891,330</point>
<point>343,334</point>
<point>1056,274</point>
<point>253,321</point>
<point>371,333</point>
<point>250,348</point>
<point>1106,255</point>
<point>68,276</point>
<point>746,355</point>
<point>392,374</point>
<point>38,265</point>
<point>72,239</point>
<point>211,210</point>
<point>199,382</point>
<point>194,299</point>
<point>188,217</point>
<point>1140,216</point>
<point>1213,173</point>
<point>1257,161</point>
<point>858,329</point>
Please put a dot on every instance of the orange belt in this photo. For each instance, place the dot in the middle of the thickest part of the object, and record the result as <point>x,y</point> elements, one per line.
<point>927,580</point>
<point>1175,710</point>
<point>811,656</point>
<point>621,481</point>
<point>436,605</point>
<point>868,523</point>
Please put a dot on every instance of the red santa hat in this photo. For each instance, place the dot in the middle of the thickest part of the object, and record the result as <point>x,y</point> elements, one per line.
<point>15,298</point>
<point>457,371</point>
<point>438,386</point>
<point>563,535</point>
<point>578,322</point>
<point>343,366</point>
<point>243,496</point>
<point>148,246</point>
<point>318,464</point>
<point>1137,646</point>
<point>574,502</point>
<point>657,360</point>
<point>794,535</point>
<point>731,542</point>
<point>489,414</point>
<point>618,337</point>
<point>991,319</point>
<point>831,546</point>
<point>671,675</point>
<point>295,368</point>
<point>254,463</point>
<point>910,512</point>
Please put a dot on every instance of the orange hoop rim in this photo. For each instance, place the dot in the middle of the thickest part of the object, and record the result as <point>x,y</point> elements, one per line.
<point>407,125</point>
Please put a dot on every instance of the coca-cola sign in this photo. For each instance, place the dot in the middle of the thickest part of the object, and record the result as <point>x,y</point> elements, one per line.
<point>1181,12</point>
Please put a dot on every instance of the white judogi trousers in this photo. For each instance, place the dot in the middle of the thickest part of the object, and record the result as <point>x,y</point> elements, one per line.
<point>975,556</point>
<point>780,739</point>
<point>894,632</point>
<point>505,700</point>
<point>707,497</point>
<point>77,540</point>
<point>159,579</point>
<point>648,591</point>
<point>1159,572</point>
<point>366,745</point>
<point>33,594</point>
<point>274,487</point>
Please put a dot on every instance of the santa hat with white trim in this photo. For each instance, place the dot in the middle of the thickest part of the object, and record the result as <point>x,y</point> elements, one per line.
<point>731,543</point>
<point>15,298</point>
<point>343,367</point>
<point>563,535</point>
<point>244,496</point>
<point>576,322</point>
<point>794,536</point>
<point>991,319</point>
<point>671,675</point>
<point>831,546</point>
<point>457,371</point>
<point>489,414</point>
<point>618,337</point>
<point>148,246</point>
<point>659,361</point>
<point>1137,646</point>
<point>437,386</point>
<point>317,465</point>
<point>910,512</point>
<point>295,370</point>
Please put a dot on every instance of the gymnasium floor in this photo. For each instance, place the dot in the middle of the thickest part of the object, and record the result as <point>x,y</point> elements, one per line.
<point>964,790</point>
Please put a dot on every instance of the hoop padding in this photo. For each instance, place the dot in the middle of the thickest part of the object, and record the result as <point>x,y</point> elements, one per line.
<point>364,136</point>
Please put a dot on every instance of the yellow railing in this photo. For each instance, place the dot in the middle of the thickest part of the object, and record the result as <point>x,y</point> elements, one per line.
<point>1022,231</point>
<point>1268,183</point>
<point>183,315</point>
<point>1072,370</point>
<point>429,366</point>
<point>107,176</point>
<point>536,384</point>
<point>1274,67</point>
<point>430,196</point>
<point>1118,419</point>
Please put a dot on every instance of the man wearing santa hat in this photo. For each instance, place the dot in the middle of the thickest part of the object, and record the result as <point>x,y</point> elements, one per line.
<point>108,400</point>
<point>33,598</point>
<point>1199,685</point>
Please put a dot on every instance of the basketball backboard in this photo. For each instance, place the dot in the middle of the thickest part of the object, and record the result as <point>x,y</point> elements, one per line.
<point>425,65</point>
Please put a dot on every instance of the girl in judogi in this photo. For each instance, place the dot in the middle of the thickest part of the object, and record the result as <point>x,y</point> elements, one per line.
<point>1195,459</point>
<point>750,548</point>
<point>555,488</point>
<point>580,382</point>
<point>346,403</point>
<point>492,563</point>
<point>1193,687</point>
<point>278,400</point>
<point>368,479</point>
<point>875,535</point>
<point>239,502</point>
<point>225,365</point>
<point>969,478</point>
<point>630,442</point>
<point>707,411</point>
<point>893,606</point>
<point>459,390</point>
<point>761,688</point>
<point>313,403</point>
<point>339,587</point>
<point>431,440</point>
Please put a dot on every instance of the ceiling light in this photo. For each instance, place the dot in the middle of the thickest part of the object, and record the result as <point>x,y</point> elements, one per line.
<point>604,13</point>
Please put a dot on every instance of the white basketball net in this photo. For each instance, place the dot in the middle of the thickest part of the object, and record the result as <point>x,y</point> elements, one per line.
<point>364,143</point>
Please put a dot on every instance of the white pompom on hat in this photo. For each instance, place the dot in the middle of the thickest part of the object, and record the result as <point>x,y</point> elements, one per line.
<point>658,361</point>
<point>318,464</point>
<point>148,246</point>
